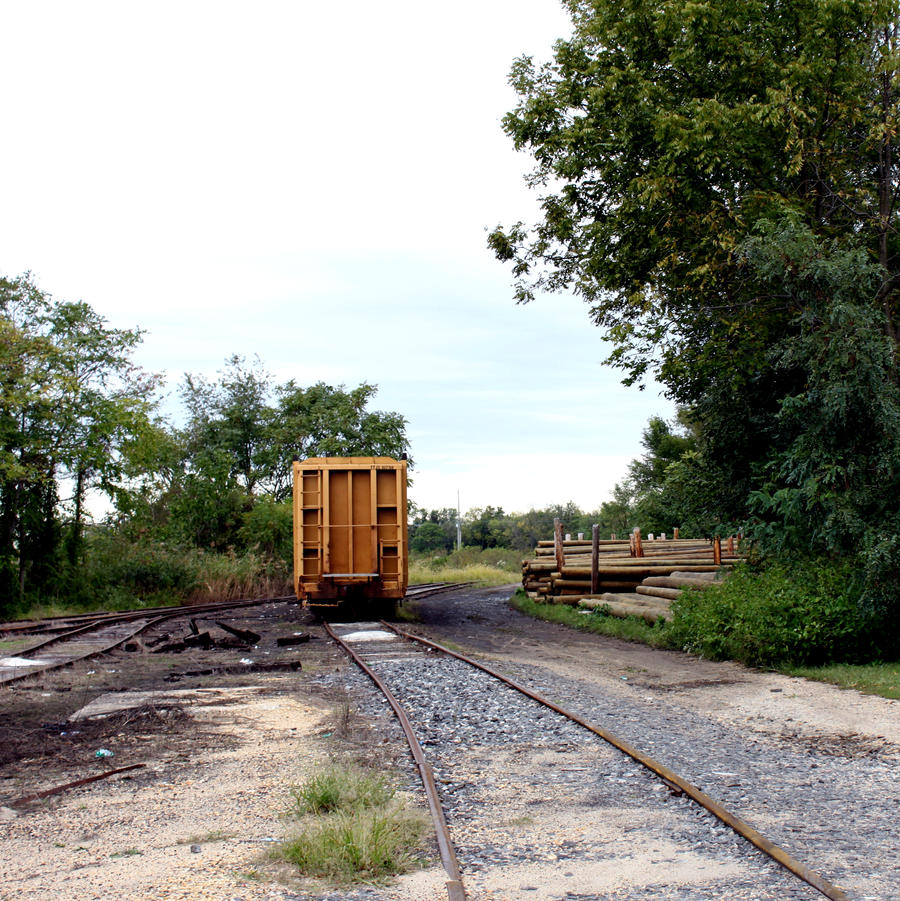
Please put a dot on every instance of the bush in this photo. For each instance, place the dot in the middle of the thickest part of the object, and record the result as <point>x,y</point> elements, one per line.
<point>358,846</point>
<point>268,529</point>
<point>231,576</point>
<point>803,614</point>
<point>122,573</point>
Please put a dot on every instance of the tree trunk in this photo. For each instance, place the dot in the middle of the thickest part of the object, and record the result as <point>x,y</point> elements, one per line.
<point>75,537</point>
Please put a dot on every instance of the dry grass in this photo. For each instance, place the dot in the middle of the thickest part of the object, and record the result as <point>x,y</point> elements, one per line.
<point>421,572</point>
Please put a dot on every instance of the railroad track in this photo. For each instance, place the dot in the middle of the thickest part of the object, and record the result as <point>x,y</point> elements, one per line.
<point>76,638</point>
<point>448,695</point>
<point>99,634</point>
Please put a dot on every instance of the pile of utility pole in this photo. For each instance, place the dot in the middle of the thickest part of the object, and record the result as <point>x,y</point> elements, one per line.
<point>633,576</point>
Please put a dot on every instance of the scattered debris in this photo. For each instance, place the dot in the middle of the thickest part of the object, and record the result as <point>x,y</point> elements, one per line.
<point>288,640</point>
<point>205,639</point>
<point>244,635</point>
<point>267,666</point>
<point>104,752</point>
<point>200,640</point>
<point>154,642</point>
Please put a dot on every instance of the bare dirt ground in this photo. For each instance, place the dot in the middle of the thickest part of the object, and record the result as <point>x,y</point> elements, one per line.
<point>222,749</point>
<point>221,752</point>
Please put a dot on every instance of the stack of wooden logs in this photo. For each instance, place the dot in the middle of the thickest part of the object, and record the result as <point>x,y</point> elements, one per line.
<point>631,577</point>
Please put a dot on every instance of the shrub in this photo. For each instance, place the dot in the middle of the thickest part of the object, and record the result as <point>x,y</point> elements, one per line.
<point>358,845</point>
<point>808,613</point>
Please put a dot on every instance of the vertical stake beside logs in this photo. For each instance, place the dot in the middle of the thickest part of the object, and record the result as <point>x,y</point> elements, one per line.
<point>717,551</point>
<point>558,544</point>
<point>638,547</point>
<point>595,559</point>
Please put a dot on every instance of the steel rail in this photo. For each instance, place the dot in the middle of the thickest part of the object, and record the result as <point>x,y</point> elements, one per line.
<point>445,845</point>
<point>743,829</point>
<point>431,588</point>
<point>57,789</point>
<point>96,652</point>
<point>157,613</point>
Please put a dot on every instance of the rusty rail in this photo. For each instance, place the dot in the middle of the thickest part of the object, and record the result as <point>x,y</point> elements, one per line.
<point>173,612</point>
<point>445,844</point>
<point>743,829</point>
<point>76,784</point>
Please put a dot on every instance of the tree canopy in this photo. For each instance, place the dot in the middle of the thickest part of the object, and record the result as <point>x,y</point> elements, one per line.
<point>77,417</point>
<point>70,401</point>
<point>665,133</point>
<point>719,182</point>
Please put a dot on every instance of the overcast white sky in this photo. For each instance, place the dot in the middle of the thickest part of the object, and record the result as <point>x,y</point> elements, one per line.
<point>311,183</point>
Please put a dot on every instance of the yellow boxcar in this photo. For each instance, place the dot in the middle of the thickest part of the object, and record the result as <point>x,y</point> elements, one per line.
<point>350,535</point>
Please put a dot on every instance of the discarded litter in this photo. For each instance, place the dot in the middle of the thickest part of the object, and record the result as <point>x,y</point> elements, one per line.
<point>103,752</point>
<point>247,660</point>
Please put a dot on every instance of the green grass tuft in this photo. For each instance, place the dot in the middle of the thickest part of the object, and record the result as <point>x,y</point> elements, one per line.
<point>631,628</point>
<point>872,678</point>
<point>339,787</point>
<point>355,845</point>
<point>490,566</point>
<point>420,573</point>
<point>351,827</point>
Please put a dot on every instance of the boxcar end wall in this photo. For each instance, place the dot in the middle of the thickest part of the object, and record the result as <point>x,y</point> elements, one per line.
<point>350,534</point>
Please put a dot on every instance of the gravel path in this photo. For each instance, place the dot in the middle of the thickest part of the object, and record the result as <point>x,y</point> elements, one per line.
<point>832,800</point>
<point>540,808</point>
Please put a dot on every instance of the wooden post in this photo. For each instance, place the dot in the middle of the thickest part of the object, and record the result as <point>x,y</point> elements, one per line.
<point>612,536</point>
<point>730,545</point>
<point>675,533</point>
<point>638,547</point>
<point>558,544</point>
<point>717,551</point>
<point>595,558</point>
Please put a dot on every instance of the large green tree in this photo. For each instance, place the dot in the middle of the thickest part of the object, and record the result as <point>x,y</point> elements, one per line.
<point>213,482</point>
<point>663,132</point>
<point>70,400</point>
<point>719,181</point>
